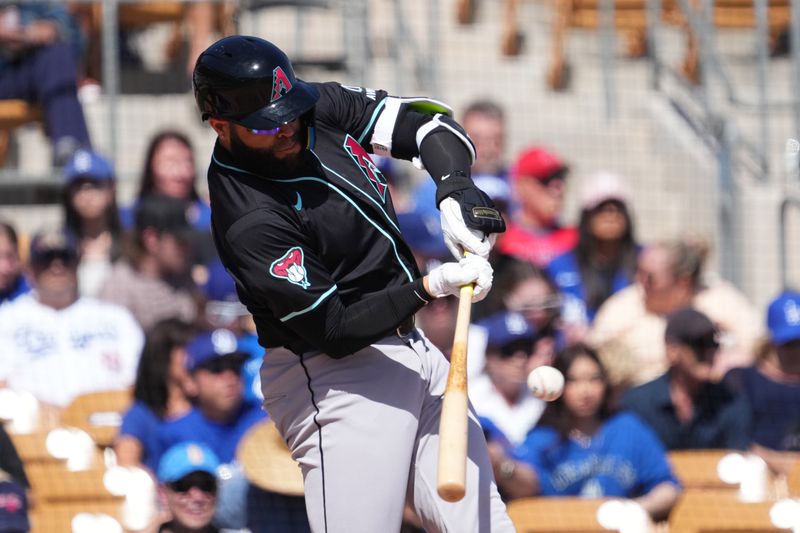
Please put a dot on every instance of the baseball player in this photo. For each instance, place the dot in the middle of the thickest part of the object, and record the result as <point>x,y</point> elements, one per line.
<point>303,221</point>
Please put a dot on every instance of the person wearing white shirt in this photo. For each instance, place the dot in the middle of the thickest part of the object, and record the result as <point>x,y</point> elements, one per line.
<point>58,345</point>
<point>500,393</point>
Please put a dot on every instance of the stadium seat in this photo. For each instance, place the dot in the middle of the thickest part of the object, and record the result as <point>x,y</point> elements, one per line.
<point>334,61</point>
<point>732,14</point>
<point>98,413</point>
<point>137,15</point>
<point>54,482</point>
<point>267,461</point>
<point>793,480</point>
<point>697,469</point>
<point>32,447</point>
<point>14,113</point>
<point>539,515</point>
<point>630,16</point>
<point>58,518</point>
<point>711,511</point>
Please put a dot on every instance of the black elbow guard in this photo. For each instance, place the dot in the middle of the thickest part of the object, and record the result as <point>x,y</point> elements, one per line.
<point>441,124</point>
<point>447,156</point>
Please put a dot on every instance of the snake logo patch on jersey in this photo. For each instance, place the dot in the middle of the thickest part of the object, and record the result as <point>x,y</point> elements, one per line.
<point>280,84</point>
<point>370,170</point>
<point>290,267</point>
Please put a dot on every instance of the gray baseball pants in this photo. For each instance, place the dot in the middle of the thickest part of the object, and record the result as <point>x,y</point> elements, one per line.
<point>364,429</point>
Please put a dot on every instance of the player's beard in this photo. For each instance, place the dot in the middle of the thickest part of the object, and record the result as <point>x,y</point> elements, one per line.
<point>263,159</point>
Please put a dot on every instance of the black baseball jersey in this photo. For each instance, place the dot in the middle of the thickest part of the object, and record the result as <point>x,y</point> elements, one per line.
<point>317,253</point>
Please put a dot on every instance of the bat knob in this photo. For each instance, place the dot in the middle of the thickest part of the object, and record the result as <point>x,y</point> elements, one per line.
<point>451,492</point>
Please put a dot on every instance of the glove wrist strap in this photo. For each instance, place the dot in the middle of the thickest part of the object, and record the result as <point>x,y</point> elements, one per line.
<point>452,184</point>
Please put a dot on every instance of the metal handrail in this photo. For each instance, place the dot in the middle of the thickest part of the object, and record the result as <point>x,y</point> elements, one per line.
<point>788,201</point>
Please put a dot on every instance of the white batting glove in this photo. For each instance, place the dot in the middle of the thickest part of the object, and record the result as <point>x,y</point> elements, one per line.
<point>448,278</point>
<point>458,237</point>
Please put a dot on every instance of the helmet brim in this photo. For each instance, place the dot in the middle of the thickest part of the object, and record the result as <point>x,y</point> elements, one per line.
<point>290,107</point>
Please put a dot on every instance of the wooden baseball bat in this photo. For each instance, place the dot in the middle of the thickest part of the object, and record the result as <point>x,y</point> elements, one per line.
<point>451,482</point>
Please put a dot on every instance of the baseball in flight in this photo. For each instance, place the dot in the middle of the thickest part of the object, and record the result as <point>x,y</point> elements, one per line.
<point>546,383</point>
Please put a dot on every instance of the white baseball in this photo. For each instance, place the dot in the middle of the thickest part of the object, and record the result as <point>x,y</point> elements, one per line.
<point>546,383</point>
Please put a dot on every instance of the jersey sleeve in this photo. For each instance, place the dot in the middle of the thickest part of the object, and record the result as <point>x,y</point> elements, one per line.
<point>650,460</point>
<point>354,110</point>
<point>280,270</point>
<point>137,422</point>
<point>535,451</point>
<point>387,125</point>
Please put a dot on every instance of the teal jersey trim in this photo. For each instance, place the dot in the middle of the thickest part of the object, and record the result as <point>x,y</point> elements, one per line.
<point>372,120</point>
<point>343,195</point>
<point>310,307</point>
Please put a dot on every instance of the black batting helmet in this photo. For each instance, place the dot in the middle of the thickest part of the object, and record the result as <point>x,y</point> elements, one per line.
<point>251,82</point>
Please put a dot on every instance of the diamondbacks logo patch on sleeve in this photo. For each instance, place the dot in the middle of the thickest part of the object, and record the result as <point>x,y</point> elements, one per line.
<point>290,267</point>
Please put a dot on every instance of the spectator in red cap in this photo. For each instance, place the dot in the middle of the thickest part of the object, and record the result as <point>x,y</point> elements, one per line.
<point>534,233</point>
<point>604,260</point>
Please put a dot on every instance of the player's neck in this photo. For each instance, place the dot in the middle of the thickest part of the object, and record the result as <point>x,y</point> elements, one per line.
<point>586,426</point>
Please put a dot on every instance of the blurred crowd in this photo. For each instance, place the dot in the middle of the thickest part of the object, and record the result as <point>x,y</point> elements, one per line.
<point>659,353</point>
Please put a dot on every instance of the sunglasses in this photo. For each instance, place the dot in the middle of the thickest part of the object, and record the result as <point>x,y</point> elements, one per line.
<point>88,184</point>
<point>511,349</point>
<point>273,131</point>
<point>549,180</point>
<point>544,304</point>
<point>200,480</point>
<point>45,259</point>
<point>218,365</point>
<point>706,349</point>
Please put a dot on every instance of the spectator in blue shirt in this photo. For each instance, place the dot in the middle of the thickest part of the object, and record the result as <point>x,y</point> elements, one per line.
<point>12,282</point>
<point>772,385</point>
<point>188,475</point>
<point>581,448</point>
<point>159,394</point>
<point>220,417</point>
<point>604,260</point>
<point>684,406</point>
<point>222,309</point>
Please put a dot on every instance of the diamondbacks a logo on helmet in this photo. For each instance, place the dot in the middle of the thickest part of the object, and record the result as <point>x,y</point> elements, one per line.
<point>370,170</point>
<point>290,267</point>
<point>280,84</point>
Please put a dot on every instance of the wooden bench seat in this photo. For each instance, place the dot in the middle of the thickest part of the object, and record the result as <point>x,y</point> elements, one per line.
<point>14,113</point>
